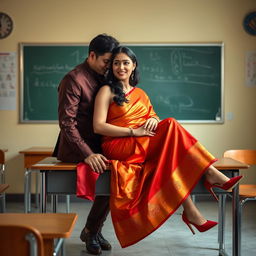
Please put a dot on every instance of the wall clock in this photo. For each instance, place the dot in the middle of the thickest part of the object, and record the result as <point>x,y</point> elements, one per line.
<point>6,25</point>
<point>249,23</point>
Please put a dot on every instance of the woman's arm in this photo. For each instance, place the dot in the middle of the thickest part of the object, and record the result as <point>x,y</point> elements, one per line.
<point>100,125</point>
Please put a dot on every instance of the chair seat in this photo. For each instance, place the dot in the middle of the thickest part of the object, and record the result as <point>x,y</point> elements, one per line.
<point>247,190</point>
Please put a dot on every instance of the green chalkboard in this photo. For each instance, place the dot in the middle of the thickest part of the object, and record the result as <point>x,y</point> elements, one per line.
<point>183,81</point>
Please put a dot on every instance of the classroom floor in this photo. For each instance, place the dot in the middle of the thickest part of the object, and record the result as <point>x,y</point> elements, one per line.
<point>173,238</point>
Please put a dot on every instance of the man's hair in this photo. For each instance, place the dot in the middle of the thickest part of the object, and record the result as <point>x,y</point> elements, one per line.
<point>102,44</point>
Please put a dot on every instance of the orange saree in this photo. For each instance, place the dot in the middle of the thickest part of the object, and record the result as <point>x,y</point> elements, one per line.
<point>151,176</point>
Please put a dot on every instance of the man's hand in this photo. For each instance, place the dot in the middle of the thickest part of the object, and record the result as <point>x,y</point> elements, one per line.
<point>97,162</point>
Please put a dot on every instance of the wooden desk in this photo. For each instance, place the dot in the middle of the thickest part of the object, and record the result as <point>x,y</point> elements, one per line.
<point>50,225</point>
<point>31,156</point>
<point>228,164</point>
<point>49,166</point>
<point>34,154</point>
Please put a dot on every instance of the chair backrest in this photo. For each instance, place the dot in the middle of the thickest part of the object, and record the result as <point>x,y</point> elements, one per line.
<point>20,240</point>
<point>247,156</point>
<point>2,157</point>
<point>3,187</point>
<point>2,166</point>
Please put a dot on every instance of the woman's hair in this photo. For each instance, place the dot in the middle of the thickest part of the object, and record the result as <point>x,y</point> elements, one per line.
<point>115,85</point>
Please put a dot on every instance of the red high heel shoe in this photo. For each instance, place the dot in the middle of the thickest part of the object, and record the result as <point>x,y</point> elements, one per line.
<point>226,186</point>
<point>201,228</point>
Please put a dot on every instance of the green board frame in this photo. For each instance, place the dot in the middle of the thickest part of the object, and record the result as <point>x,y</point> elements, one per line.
<point>184,81</point>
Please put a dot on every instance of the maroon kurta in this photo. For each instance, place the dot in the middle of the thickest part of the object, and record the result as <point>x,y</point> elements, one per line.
<point>77,92</point>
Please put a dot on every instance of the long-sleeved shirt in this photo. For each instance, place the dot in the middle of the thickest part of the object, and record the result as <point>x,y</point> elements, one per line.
<point>76,94</point>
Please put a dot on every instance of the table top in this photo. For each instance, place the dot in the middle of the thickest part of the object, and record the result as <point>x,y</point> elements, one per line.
<point>50,225</point>
<point>37,150</point>
<point>226,163</point>
<point>51,163</point>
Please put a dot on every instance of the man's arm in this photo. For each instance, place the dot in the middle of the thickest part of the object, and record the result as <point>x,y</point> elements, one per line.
<point>69,98</point>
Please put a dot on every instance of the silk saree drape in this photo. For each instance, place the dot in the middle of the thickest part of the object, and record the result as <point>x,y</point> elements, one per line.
<point>150,176</point>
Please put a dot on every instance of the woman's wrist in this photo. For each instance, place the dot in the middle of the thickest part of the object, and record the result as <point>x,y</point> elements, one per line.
<point>131,132</point>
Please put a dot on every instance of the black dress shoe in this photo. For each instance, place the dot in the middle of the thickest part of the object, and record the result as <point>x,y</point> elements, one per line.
<point>91,241</point>
<point>104,244</point>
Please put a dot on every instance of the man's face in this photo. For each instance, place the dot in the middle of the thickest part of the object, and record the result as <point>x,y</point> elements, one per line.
<point>101,63</point>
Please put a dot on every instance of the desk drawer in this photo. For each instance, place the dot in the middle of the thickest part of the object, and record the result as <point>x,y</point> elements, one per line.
<point>60,182</point>
<point>64,182</point>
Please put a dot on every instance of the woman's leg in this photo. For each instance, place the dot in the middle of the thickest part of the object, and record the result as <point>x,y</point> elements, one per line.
<point>192,213</point>
<point>214,176</point>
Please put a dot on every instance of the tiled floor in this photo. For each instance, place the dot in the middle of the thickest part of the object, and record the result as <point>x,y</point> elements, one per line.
<point>172,239</point>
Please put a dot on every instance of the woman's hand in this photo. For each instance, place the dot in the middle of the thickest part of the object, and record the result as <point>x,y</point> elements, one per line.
<point>141,131</point>
<point>151,124</point>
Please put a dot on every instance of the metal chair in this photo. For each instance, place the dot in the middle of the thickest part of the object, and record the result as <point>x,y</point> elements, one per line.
<point>2,166</point>
<point>247,192</point>
<point>20,240</point>
<point>2,180</point>
<point>3,187</point>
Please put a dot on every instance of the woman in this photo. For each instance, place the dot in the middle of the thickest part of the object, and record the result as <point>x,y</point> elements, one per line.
<point>154,164</point>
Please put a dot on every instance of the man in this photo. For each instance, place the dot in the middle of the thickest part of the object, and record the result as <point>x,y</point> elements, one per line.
<point>77,142</point>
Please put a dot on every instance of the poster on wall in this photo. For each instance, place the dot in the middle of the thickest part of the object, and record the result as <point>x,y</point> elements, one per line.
<point>250,73</point>
<point>8,71</point>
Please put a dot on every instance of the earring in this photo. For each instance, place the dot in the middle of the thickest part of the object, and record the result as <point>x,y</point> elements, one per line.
<point>132,75</point>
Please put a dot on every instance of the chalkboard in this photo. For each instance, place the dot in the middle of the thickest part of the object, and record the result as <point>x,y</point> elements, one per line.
<point>183,81</point>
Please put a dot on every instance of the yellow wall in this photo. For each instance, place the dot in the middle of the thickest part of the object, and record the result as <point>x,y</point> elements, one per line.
<point>143,21</point>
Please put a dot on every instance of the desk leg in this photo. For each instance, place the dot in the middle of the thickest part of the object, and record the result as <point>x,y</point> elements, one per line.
<point>37,190</point>
<point>67,203</point>
<point>54,199</point>
<point>236,228</point>
<point>27,189</point>
<point>43,193</point>
<point>59,247</point>
<point>221,226</point>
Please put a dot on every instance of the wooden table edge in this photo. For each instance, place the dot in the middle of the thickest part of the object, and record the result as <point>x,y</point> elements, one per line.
<point>37,151</point>
<point>226,163</point>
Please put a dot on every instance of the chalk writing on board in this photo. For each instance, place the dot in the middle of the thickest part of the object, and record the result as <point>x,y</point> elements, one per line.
<point>182,67</point>
<point>52,69</point>
<point>179,103</point>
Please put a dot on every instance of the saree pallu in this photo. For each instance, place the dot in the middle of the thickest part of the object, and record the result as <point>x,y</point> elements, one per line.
<point>150,176</point>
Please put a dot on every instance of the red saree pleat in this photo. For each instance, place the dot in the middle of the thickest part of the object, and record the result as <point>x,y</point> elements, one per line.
<point>85,181</point>
<point>151,176</point>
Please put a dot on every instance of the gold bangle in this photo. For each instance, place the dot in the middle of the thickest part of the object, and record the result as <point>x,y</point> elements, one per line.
<point>131,132</point>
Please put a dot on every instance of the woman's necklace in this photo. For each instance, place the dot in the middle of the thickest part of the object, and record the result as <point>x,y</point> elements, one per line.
<point>126,90</point>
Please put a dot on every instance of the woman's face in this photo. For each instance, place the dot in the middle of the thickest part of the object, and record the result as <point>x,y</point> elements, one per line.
<point>123,67</point>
